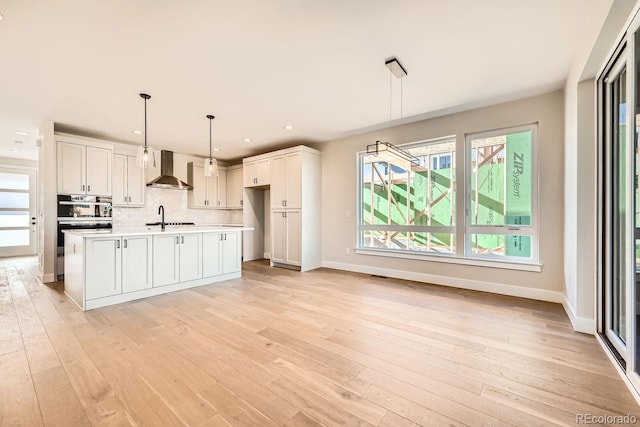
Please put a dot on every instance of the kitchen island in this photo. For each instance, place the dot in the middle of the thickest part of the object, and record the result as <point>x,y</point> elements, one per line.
<point>105,267</point>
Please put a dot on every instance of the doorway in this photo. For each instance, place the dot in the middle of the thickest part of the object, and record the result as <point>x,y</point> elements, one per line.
<point>18,235</point>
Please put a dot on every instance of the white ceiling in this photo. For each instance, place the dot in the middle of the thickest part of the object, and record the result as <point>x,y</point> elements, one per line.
<point>259,65</point>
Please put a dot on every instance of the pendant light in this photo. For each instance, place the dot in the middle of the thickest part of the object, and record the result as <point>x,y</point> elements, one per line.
<point>142,159</point>
<point>210,164</point>
<point>385,150</point>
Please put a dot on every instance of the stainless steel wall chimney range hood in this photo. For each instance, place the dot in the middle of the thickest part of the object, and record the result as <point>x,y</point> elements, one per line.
<point>166,178</point>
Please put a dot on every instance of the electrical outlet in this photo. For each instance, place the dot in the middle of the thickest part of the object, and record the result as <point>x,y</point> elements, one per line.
<point>348,251</point>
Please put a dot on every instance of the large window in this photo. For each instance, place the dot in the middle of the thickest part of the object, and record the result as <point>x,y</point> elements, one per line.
<point>410,207</point>
<point>407,206</point>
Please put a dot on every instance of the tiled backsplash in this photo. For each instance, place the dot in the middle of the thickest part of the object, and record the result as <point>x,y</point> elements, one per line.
<point>175,210</point>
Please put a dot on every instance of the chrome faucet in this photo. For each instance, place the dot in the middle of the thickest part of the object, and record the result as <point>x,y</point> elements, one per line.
<point>161,212</point>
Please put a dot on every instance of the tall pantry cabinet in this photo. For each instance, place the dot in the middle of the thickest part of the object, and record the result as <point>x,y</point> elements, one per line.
<point>293,205</point>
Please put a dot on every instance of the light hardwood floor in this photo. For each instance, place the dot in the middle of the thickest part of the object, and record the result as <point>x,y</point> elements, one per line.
<point>283,348</point>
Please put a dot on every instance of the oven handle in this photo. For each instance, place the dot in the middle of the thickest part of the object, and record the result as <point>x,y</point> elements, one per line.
<point>85,203</point>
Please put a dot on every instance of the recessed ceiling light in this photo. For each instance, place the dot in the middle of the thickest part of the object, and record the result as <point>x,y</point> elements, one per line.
<point>19,142</point>
<point>247,140</point>
<point>287,127</point>
<point>20,132</point>
<point>216,149</point>
<point>138,132</point>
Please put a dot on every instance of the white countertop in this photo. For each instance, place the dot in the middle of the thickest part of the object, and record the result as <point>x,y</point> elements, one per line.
<point>155,229</point>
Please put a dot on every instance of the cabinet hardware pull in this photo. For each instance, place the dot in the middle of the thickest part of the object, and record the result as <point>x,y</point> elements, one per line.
<point>177,240</point>
<point>125,198</point>
<point>225,236</point>
<point>88,188</point>
<point>182,238</point>
<point>117,244</point>
<point>240,202</point>
<point>82,187</point>
<point>74,248</point>
<point>125,243</point>
<point>220,236</point>
<point>285,203</point>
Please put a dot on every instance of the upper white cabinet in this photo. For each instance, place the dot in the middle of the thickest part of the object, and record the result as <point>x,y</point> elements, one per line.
<point>83,168</point>
<point>128,181</point>
<point>234,187</point>
<point>208,191</point>
<point>257,172</point>
<point>286,181</point>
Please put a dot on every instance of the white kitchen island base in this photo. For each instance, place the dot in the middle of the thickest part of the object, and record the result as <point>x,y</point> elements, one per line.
<point>102,269</point>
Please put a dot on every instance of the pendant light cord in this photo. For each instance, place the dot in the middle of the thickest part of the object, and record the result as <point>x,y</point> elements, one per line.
<point>145,123</point>
<point>210,152</point>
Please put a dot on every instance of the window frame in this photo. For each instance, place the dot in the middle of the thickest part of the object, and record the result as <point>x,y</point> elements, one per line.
<point>462,229</point>
<point>360,226</point>
<point>505,230</point>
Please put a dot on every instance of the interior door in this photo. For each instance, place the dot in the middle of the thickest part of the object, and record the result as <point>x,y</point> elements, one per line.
<point>18,228</point>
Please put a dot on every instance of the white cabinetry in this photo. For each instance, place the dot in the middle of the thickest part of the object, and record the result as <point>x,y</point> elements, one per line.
<point>208,191</point>
<point>116,265</point>
<point>220,253</point>
<point>257,172</point>
<point>286,181</point>
<point>234,187</point>
<point>83,169</point>
<point>286,237</point>
<point>177,258</point>
<point>295,209</point>
<point>137,262</point>
<point>128,181</point>
<point>104,267</point>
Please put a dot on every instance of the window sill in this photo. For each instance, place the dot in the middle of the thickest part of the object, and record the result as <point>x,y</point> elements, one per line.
<point>452,259</point>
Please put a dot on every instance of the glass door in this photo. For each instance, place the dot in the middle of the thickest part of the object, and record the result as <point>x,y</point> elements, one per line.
<point>617,188</point>
<point>17,212</point>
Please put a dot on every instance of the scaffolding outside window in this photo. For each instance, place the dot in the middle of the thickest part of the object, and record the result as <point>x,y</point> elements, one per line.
<point>411,208</point>
<point>407,206</point>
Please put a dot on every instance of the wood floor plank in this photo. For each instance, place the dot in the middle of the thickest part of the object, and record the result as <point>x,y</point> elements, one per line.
<point>18,401</point>
<point>280,347</point>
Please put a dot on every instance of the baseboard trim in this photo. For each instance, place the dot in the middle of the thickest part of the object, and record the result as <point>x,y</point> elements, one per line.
<point>475,285</point>
<point>48,278</point>
<point>580,324</point>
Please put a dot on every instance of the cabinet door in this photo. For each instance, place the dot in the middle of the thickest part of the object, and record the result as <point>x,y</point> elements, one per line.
<point>222,189</point>
<point>71,168</point>
<point>211,254</point>
<point>231,256</point>
<point>136,263</point>
<point>293,180</point>
<point>293,247</point>
<point>166,256</point>
<point>234,188</point>
<point>250,174</point>
<point>135,183</point>
<point>190,257</point>
<point>99,171</point>
<point>263,171</point>
<point>211,183</point>
<point>278,183</point>
<point>103,272</point>
<point>119,180</point>
<point>278,236</point>
<point>199,183</point>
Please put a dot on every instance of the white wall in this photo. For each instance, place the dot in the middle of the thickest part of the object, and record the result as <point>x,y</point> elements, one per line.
<point>47,204</point>
<point>339,196</point>
<point>580,175</point>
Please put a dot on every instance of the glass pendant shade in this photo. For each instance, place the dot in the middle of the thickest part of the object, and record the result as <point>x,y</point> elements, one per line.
<point>143,156</point>
<point>210,167</point>
<point>144,152</point>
